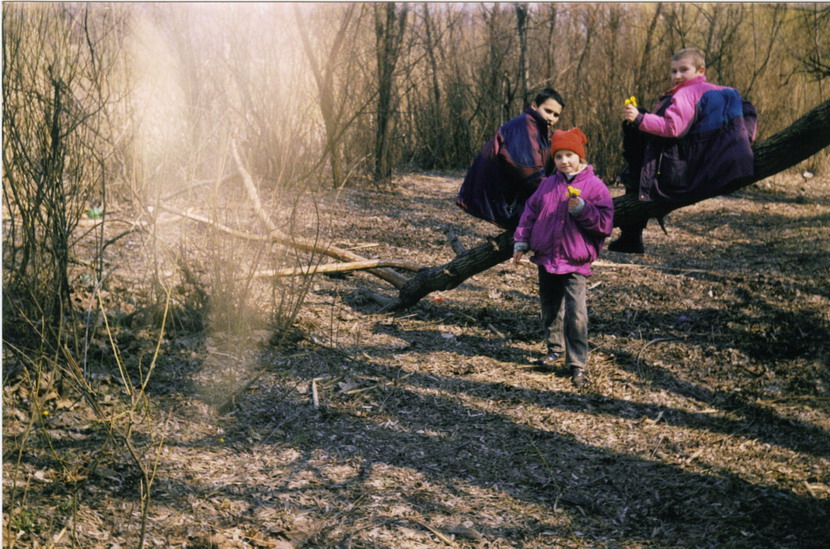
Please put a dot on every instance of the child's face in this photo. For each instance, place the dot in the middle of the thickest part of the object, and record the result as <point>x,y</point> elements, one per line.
<point>683,70</point>
<point>550,110</point>
<point>566,161</point>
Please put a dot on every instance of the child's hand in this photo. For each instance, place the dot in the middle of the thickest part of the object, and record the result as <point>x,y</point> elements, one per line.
<point>517,257</point>
<point>630,114</point>
<point>573,197</point>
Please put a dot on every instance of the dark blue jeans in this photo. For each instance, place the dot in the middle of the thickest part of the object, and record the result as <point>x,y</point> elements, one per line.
<point>565,315</point>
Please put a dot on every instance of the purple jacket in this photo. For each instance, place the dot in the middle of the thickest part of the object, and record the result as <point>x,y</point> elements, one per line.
<point>563,242</point>
<point>698,140</point>
<point>507,171</point>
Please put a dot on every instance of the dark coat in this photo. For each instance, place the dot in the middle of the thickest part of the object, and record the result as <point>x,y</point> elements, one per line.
<point>698,140</point>
<point>507,171</point>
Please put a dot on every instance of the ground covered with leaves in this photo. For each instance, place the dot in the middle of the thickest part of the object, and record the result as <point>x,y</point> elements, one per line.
<point>706,422</point>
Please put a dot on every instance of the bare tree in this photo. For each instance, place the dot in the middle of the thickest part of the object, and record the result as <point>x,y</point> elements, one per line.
<point>550,39</point>
<point>495,95</point>
<point>332,98</point>
<point>643,72</point>
<point>56,60</point>
<point>390,24</point>
<point>815,57</point>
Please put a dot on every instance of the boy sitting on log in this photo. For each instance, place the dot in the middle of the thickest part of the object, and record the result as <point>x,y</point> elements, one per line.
<point>697,140</point>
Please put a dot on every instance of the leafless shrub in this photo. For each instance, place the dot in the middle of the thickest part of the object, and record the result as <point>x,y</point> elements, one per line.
<point>57,122</point>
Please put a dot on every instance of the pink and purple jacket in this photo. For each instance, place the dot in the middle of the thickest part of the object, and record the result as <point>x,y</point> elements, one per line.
<point>563,242</point>
<point>699,140</point>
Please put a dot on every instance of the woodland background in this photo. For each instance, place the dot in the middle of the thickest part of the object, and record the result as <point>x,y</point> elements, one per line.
<point>108,104</point>
<point>119,117</point>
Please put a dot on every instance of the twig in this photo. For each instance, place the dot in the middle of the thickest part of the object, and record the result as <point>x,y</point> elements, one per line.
<point>340,267</point>
<point>376,385</point>
<point>315,398</point>
<point>657,446</point>
<point>644,347</point>
<point>611,264</point>
<point>440,536</point>
<point>495,331</point>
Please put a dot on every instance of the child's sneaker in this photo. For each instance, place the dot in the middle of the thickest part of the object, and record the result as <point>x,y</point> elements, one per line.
<point>578,377</point>
<point>550,360</point>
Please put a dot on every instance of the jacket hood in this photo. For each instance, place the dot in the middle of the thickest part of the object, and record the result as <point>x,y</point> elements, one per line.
<point>696,80</point>
<point>588,171</point>
<point>541,122</point>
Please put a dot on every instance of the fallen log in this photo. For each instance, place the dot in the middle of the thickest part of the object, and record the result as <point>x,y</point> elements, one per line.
<point>804,138</point>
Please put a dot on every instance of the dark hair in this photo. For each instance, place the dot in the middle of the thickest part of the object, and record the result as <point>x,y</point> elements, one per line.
<point>548,93</point>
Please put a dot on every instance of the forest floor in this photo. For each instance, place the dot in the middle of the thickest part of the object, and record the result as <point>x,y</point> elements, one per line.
<point>706,422</point>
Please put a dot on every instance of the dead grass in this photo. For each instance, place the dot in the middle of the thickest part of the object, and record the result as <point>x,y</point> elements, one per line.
<point>706,422</point>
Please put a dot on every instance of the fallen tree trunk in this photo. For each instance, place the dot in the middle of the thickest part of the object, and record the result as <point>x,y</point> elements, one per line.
<point>804,138</point>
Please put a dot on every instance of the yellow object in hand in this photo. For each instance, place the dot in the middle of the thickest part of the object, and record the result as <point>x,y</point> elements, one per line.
<point>631,101</point>
<point>573,192</point>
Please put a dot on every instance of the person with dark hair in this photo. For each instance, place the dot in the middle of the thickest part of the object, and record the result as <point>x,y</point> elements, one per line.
<point>511,165</point>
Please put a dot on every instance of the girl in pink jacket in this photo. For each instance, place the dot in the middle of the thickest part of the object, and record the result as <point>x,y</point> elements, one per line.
<point>565,223</point>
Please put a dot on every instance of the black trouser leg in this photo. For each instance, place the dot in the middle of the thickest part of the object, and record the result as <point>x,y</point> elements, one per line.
<point>630,240</point>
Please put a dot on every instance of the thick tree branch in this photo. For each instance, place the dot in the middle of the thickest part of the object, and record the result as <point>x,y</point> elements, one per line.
<point>395,279</point>
<point>341,267</point>
<point>344,255</point>
<point>804,138</point>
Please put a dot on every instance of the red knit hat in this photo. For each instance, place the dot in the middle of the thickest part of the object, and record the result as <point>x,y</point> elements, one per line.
<point>572,140</point>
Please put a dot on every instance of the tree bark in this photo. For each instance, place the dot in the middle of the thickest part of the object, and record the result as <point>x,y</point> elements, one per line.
<point>804,138</point>
<point>389,33</point>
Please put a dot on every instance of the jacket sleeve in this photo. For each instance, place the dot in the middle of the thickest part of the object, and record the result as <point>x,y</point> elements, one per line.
<point>597,215</point>
<point>521,158</point>
<point>529,215</point>
<point>677,119</point>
